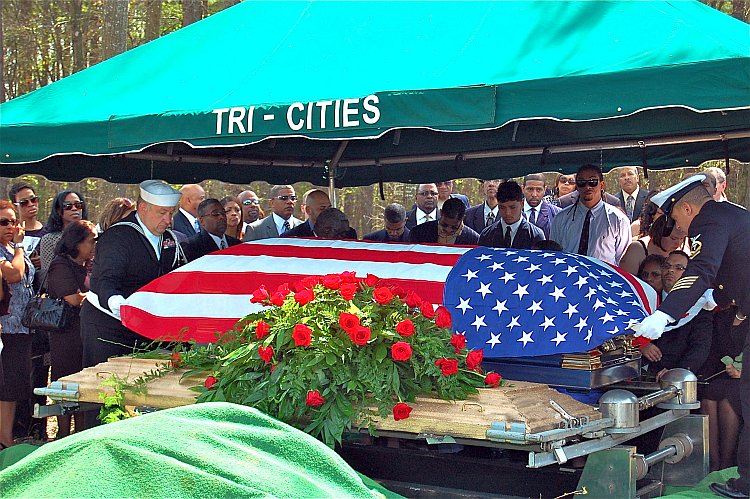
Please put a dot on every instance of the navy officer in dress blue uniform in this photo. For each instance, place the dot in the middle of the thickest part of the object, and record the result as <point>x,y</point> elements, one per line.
<point>130,254</point>
<point>719,237</point>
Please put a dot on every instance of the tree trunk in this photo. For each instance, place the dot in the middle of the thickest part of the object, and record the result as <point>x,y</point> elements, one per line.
<point>224,4</point>
<point>115,27</point>
<point>191,11</point>
<point>76,36</point>
<point>153,20</point>
<point>26,46</point>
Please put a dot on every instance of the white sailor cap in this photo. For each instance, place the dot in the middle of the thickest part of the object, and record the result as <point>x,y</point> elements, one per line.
<point>159,193</point>
<point>668,197</point>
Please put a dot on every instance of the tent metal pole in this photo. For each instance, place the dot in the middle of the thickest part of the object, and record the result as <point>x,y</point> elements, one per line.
<point>336,162</point>
<point>332,167</point>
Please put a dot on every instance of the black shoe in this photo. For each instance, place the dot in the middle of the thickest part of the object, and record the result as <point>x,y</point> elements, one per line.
<point>728,489</point>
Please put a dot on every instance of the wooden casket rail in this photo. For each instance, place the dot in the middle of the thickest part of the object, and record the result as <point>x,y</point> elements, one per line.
<point>520,402</point>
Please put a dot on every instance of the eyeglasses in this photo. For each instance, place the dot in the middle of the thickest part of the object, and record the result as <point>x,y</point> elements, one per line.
<point>428,193</point>
<point>5,222</point>
<point>78,205</point>
<point>286,198</point>
<point>452,228</point>
<point>248,202</point>
<point>667,266</point>
<point>646,275</point>
<point>568,181</point>
<point>216,214</point>
<point>25,202</point>
<point>592,182</point>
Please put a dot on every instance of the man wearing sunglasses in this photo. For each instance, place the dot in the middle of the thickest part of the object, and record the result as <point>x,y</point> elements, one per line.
<point>591,226</point>
<point>23,197</point>
<point>213,220</point>
<point>282,203</point>
<point>251,210</point>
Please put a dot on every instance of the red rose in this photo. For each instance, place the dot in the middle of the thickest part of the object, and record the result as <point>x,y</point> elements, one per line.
<point>277,299</point>
<point>260,295</point>
<point>413,300</point>
<point>349,277</point>
<point>372,280</point>
<point>304,297</point>
<point>314,399</point>
<point>348,322</point>
<point>210,382</point>
<point>427,310</point>
<point>398,291</point>
<point>401,351</point>
<point>474,360</point>
<point>331,281</point>
<point>302,335</point>
<point>405,328</point>
<point>308,282</point>
<point>283,289</point>
<point>443,317</point>
<point>447,366</point>
<point>348,290</point>
<point>262,330</point>
<point>361,335</point>
<point>458,341</point>
<point>382,295</point>
<point>175,360</point>
<point>492,380</point>
<point>266,354</point>
<point>401,411</point>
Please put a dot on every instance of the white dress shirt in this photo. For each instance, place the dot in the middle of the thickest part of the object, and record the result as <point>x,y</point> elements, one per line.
<point>422,216</point>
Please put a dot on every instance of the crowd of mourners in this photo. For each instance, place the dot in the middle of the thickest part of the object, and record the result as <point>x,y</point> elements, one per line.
<point>95,266</point>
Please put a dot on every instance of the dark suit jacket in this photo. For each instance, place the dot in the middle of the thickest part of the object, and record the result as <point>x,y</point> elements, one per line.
<point>180,223</point>
<point>474,218</point>
<point>382,236</point>
<point>687,346</point>
<point>639,200</point>
<point>411,217</point>
<point>428,233</point>
<point>545,215</point>
<point>266,227</point>
<point>571,198</point>
<point>202,244</point>
<point>526,235</point>
<point>302,230</point>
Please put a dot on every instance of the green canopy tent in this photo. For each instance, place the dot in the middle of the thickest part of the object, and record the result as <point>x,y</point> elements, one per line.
<point>361,92</point>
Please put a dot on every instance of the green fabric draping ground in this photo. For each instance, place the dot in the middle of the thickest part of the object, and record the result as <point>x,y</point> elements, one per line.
<point>196,451</point>
<point>701,489</point>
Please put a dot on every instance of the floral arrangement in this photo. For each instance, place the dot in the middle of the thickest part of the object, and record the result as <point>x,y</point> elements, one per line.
<point>329,352</point>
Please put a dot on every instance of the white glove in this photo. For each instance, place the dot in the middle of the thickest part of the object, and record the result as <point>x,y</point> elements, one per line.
<point>709,297</point>
<point>652,327</point>
<point>114,303</point>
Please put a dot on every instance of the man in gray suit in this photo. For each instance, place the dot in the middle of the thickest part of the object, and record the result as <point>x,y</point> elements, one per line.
<point>282,203</point>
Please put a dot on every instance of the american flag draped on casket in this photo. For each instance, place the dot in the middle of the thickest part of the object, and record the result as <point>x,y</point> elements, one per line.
<point>212,293</point>
<point>508,302</point>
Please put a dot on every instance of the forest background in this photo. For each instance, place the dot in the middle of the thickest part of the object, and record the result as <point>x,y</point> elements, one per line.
<point>42,41</point>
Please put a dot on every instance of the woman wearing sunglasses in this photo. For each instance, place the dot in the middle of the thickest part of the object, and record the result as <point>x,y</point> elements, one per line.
<point>18,272</point>
<point>66,279</point>
<point>68,206</point>
<point>564,184</point>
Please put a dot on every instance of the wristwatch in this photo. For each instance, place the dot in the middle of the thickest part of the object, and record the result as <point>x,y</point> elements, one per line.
<point>17,245</point>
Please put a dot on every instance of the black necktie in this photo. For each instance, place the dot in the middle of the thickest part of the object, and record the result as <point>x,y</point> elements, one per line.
<point>583,245</point>
<point>532,216</point>
<point>286,226</point>
<point>507,240</point>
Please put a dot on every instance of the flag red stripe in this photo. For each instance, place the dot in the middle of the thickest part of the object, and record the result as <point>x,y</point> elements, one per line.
<point>202,329</point>
<point>239,283</point>
<point>408,255</point>
<point>633,282</point>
